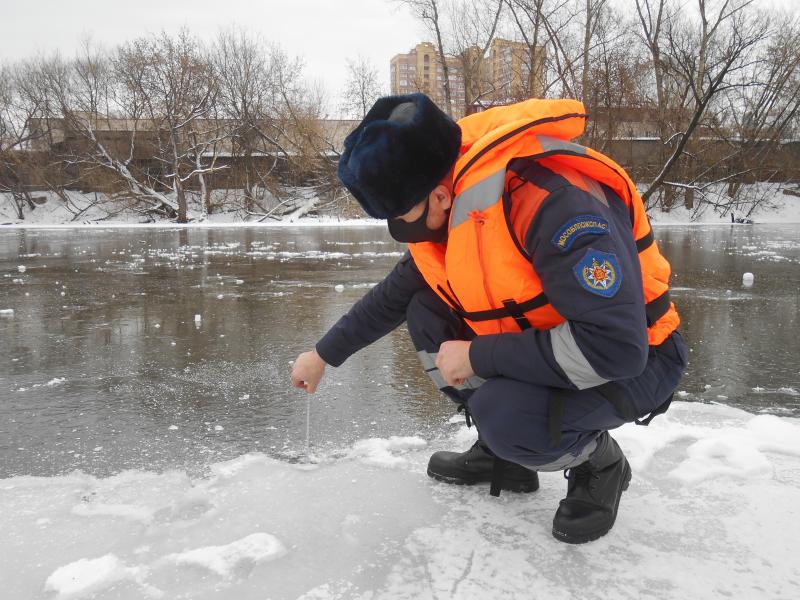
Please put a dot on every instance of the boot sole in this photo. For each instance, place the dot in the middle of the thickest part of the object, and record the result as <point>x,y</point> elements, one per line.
<point>590,537</point>
<point>523,487</point>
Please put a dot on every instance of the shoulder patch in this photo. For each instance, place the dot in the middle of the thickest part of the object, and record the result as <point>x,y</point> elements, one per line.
<point>599,273</point>
<point>578,226</point>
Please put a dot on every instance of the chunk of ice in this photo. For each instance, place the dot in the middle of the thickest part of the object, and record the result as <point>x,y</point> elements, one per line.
<point>89,576</point>
<point>223,560</point>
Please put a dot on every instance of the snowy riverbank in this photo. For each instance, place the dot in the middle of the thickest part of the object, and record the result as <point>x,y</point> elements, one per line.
<point>87,210</point>
<point>713,511</point>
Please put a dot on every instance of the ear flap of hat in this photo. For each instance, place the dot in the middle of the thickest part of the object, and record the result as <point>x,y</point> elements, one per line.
<point>398,154</point>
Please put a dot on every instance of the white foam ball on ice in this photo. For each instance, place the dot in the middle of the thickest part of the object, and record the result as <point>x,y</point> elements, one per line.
<point>21,268</point>
<point>339,288</point>
<point>748,279</point>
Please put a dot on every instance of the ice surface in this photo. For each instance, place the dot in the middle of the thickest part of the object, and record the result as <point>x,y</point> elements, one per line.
<point>713,511</point>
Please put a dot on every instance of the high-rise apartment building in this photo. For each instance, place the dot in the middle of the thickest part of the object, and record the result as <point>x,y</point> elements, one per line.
<point>421,71</point>
<point>504,76</point>
<point>511,66</point>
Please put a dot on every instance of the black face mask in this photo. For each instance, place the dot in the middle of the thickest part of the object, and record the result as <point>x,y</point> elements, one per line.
<point>418,231</point>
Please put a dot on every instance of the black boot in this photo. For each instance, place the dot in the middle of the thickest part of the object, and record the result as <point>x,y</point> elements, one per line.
<point>477,465</point>
<point>593,492</point>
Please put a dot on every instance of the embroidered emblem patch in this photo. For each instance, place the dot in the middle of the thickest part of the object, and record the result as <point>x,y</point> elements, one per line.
<point>599,273</point>
<point>576,227</point>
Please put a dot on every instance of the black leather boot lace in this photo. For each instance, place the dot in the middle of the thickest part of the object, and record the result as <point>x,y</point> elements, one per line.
<point>580,475</point>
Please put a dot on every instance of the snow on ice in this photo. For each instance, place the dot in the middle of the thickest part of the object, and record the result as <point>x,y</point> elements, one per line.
<point>87,576</point>
<point>713,511</point>
<point>224,560</point>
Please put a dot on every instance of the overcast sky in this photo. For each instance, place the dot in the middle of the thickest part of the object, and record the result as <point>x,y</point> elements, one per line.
<point>324,32</point>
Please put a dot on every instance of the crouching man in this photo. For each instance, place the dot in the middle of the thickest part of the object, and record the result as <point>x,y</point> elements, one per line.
<point>533,292</point>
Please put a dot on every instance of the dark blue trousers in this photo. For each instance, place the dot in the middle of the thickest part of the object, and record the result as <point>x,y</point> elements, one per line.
<point>512,416</point>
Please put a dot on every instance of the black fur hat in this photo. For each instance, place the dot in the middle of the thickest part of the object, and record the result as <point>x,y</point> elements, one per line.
<point>398,154</point>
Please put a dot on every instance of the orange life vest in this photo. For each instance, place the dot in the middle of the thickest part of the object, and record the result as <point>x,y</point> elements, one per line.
<point>482,271</point>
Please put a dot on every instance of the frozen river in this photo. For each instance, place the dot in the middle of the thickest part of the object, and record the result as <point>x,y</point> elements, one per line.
<point>154,348</point>
<point>151,445</point>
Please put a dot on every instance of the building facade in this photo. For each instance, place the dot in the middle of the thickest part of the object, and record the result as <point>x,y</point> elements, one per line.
<point>509,73</point>
<point>420,70</point>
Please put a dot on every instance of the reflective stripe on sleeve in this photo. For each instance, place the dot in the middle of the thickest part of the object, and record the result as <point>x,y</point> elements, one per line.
<point>571,360</point>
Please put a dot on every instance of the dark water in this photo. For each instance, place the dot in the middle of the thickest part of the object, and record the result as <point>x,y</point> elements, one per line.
<point>103,366</point>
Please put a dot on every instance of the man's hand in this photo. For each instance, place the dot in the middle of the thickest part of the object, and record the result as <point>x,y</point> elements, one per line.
<point>307,371</point>
<point>453,362</point>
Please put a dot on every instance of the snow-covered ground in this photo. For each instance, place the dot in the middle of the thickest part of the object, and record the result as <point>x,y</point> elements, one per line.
<point>713,512</point>
<point>85,210</point>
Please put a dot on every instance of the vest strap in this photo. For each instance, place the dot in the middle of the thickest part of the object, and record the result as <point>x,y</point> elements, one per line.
<point>555,414</point>
<point>502,313</point>
<point>655,309</point>
<point>498,468</point>
<point>516,312</point>
<point>614,393</point>
<point>645,242</point>
<point>659,410</point>
<point>618,397</point>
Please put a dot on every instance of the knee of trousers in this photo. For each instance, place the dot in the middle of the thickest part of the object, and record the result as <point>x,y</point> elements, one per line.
<point>430,322</point>
<point>512,418</point>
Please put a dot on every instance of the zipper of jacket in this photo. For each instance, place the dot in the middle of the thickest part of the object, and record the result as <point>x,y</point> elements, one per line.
<point>479,220</point>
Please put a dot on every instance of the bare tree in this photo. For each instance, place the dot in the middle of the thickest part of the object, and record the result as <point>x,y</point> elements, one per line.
<point>653,14</point>
<point>532,20</point>
<point>474,24</point>
<point>707,56</point>
<point>429,13</point>
<point>361,88</point>
<point>15,117</point>
<point>178,87</point>
<point>248,99</point>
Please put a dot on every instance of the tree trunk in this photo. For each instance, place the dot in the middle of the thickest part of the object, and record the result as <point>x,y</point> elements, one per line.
<point>181,198</point>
